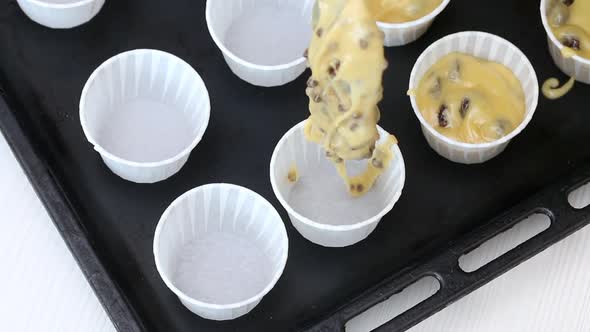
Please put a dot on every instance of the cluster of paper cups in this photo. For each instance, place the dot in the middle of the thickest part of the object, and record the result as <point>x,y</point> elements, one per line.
<point>263,41</point>
<point>221,248</point>
<point>575,66</point>
<point>63,14</point>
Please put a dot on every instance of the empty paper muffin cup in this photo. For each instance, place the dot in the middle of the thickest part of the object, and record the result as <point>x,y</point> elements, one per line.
<point>220,248</point>
<point>318,203</point>
<point>576,66</point>
<point>492,48</point>
<point>262,41</point>
<point>398,34</point>
<point>144,111</point>
<point>61,14</point>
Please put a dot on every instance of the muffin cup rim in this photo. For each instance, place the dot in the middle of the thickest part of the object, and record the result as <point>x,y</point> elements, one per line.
<point>82,106</point>
<point>334,228</point>
<point>45,4</point>
<point>472,146</point>
<point>184,297</point>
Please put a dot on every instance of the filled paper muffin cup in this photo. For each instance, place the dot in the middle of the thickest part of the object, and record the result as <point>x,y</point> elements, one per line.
<point>492,48</point>
<point>220,248</point>
<point>318,203</point>
<point>262,41</point>
<point>144,111</point>
<point>398,34</point>
<point>63,14</point>
<point>576,66</point>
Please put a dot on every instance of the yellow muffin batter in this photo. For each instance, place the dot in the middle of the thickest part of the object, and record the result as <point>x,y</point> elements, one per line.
<point>347,64</point>
<point>551,89</point>
<point>471,100</point>
<point>400,11</point>
<point>570,23</point>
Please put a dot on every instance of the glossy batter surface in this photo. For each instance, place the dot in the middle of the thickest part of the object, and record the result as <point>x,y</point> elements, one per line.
<point>471,100</point>
<point>570,23</point>
<point>400,11</point>
<point>347,63</point>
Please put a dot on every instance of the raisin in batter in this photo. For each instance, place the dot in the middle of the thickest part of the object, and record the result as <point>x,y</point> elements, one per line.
<point>347,64</point>
<point>570,23</point>
<point>471,100</point>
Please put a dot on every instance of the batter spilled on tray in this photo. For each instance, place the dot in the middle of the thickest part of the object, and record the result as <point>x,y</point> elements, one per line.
<point>570,23</point>
<point>470,100</point>
<point>347,61</point>
<point>401,11</point>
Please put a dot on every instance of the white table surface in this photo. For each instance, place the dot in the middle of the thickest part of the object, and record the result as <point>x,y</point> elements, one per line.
<point>42,288</point>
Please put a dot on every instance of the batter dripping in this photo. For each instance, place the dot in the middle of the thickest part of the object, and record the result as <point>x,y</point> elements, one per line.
<point>347,64</point>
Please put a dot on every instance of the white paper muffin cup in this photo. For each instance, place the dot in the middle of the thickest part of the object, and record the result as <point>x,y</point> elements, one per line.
<point>575,66</point>
<point>220,248</point>
<point>144,111</point>
<point>398,34</point>
<point>272,33</point>
<point>63,14</point>
<point>319,204</point>
<point>489,47</point>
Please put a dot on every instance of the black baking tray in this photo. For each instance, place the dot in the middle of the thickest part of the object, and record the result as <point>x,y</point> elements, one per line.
<point>446,209</point>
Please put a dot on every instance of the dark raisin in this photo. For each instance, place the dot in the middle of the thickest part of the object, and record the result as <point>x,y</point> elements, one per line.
<point>567,2</point>
<point>464,107</point>
<point>363,43</point>
<point>455,72</point>
<point>357,115</point>
<point>306,53</point>
<point>571,42</point>
<point>377,163</point>
<point>329,154</point>
<point>443,116</point>
<point>338,160</point>
<point>354,126</point>
<point>317,98</point>
<point>312,83</point>
<point>360,188</point>
<point>342,108</point>
<point>319,32</point>
<point>436,88</point>
<point>331,72</point>
<point>352,187</point>
<point>322,130</point>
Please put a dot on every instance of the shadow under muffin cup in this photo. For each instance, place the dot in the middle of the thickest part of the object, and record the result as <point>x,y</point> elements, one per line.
<point>319,204</point>
<point>220,248</point>
<point>61,14</point>
<point>399,34</point>
<point>576,66</point>
<point>488,47</point>
<point>262,41</point>
<point>144,111</point>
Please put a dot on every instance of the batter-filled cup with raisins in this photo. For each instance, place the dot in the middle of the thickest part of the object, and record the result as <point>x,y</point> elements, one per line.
<point>404,21</point>
<point>472,92</point>
<point>567,23</point>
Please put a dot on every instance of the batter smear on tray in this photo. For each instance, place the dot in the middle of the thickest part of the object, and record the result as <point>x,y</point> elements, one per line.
<point>347,63</point>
